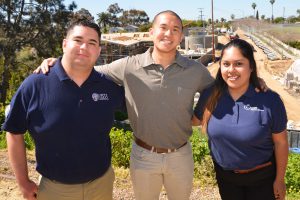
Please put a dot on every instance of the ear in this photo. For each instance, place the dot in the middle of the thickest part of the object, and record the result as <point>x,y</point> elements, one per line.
<point>99,51</point>
<point>182,36</point>
<point>64,45</point>
<point>151,30</point>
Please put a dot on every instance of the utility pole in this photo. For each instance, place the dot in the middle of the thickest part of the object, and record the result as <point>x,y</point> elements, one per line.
<point>201,17</point>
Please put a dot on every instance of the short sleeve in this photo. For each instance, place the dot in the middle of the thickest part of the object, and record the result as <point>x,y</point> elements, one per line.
<point>199,109</point>
<point>279,116</point>
<point>16,119</point>
<point>115,70</point>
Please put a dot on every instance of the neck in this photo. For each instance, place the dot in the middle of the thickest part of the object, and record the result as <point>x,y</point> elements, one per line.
<point>78,74</point>
<point>236,93</point>
<point>164,59</point>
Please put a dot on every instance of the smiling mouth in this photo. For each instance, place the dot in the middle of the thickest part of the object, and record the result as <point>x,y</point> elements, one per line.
<point>233,78</point>
<point>166,41</point>
<point>82,55</point>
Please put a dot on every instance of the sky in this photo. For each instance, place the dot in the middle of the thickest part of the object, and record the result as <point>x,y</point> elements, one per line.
<point>191,9</point>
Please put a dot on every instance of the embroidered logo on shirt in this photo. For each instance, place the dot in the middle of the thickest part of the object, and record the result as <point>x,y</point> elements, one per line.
<point>100,97</point>
<point>248,107</point>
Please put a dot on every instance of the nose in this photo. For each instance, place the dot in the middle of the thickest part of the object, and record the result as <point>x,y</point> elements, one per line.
<point>169,32</point>
<point>231,68</point>
<point>83,45</point>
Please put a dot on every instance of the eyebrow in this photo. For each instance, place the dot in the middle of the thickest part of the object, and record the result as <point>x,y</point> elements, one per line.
<point>234,61</point>
<point>80,37</point>
<point>167,25</point>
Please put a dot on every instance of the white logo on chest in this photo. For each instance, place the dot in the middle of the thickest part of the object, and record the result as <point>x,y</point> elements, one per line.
<point>100,97</point>
<point>248,107</point>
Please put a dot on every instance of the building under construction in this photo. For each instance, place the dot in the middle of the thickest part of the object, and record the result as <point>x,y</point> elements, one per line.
<point>120,45</point>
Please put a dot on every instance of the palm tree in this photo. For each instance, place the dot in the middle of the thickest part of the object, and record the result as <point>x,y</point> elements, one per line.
<point>272,2</point>
<point>253,6</point>
<point>103,20</point>
<point>298,11</point>
<point>232,16</point>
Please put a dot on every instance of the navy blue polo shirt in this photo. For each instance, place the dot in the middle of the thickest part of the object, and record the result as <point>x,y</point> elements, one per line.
<point>70,125</point>
<point>240,132</point>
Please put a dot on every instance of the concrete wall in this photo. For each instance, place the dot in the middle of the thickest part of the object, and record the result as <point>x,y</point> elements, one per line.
<point>199,41</point>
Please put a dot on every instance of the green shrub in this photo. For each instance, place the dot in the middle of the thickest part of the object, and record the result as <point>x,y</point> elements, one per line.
<point>204,173</point>
<point>29,143</point>
<point>292,177</point>
<point>2,133</point>
<point>2,140</point>
<point>199,145</point>
<point>295,44</point>
<point>121,147</point>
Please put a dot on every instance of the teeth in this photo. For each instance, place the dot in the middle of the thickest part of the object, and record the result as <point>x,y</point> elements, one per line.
<point>233,77</point>
<point>167,41</point>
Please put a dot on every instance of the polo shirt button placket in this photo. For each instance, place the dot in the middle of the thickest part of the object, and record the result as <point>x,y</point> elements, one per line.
<point>235,115</point>
<point>80,102</point>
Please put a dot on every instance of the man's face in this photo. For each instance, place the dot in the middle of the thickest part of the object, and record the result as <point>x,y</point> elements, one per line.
<point>81,47</point>
<point>167,33</point>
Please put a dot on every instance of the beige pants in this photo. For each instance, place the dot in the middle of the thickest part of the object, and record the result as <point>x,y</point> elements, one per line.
<point>98,189</point>
<point>150,171</point>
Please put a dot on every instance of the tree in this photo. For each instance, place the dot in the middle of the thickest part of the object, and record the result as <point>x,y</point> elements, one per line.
<point>83,14</point>
<point>35,23</point>
<point>253,6</point>
<point>279,20</point>
<point>223,20</point>
<point>298,11</point>
<point>145,28</point>
<point>114,10</point>
<point>272,2</point>
<point>257,15</point>
<point>262,17</point>
<point>232,16</point>
<point>103,21</point>
<point>209,21</point>
<point>134,17</point>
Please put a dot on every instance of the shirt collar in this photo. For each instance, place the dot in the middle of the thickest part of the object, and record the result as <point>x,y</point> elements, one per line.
<point>148,60</point>
<point>249,93</point>
<point>62,75</point>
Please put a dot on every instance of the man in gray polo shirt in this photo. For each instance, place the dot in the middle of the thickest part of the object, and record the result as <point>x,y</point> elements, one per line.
<point>160,85</point>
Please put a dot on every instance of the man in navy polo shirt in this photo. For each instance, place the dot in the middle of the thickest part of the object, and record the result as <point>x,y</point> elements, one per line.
<point>69,113</point>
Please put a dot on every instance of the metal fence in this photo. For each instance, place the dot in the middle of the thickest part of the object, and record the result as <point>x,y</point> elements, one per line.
<point>294,138</point>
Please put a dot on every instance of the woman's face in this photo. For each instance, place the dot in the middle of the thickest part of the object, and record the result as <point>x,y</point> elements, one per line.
<point>235,70</point>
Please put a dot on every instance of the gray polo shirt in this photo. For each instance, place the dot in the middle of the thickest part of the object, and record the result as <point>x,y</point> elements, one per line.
<point>159,102</point>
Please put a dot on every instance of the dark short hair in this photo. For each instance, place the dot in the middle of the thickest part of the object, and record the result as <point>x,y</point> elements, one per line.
<point>85,23</point>
<point>167,12</point>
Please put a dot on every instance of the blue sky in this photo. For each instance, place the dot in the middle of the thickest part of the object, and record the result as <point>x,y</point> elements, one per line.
<point>189,9</point>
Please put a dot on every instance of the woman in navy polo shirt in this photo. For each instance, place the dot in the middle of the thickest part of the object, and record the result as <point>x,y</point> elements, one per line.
<point>246,129</point>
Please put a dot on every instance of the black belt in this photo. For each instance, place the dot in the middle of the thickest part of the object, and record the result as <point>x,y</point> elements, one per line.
<point>155,149</point>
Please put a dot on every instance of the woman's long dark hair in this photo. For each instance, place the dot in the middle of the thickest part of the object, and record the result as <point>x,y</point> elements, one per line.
<point>220,85</point>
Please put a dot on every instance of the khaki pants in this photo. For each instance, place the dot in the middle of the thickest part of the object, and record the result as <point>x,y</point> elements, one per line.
<point>98,189</point>
<point>150,171</point>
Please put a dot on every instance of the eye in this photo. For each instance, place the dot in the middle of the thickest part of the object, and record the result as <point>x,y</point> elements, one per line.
<point>78,41</point>
<point>239,64</point>
<point>225,64</point>
<point>163,28</point>
<point>92,43</point>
